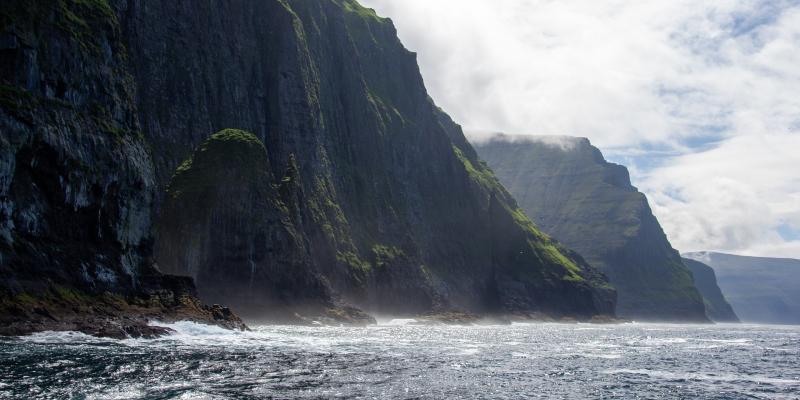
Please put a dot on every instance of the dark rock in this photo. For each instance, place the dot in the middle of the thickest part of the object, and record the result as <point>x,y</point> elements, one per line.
<point>449,318</point>
<point>107,314</point>
<point>77,182</point>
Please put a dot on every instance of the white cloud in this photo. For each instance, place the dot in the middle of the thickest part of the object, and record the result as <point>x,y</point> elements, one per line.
<point>731,198</point>
<point>564,143</point>
<point>711,88</point>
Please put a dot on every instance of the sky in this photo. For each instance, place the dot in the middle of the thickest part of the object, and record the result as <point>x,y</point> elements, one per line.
<point>701,100</point>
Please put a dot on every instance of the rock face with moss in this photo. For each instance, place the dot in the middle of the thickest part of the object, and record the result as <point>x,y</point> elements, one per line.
<point>389,202</point>
<point>226,223</point>
<point>77,183</point>
<point>572,193</point>
<point>717,307</point>
<point>364,193</point>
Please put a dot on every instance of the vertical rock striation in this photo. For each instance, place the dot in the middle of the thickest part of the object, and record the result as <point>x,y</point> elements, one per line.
<point>77,183</point>
<point>391,204</point>
<point>588,204</point>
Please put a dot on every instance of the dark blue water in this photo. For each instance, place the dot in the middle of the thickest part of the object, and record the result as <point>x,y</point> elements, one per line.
<point>492,362</point>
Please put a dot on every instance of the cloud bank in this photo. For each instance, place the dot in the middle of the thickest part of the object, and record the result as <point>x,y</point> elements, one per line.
<point>700,99</point>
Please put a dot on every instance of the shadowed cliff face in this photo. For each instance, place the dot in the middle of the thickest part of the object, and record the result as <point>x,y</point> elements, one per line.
<point>717,307</point>
<point>77,182</point>
<point>225,223</point>
<point>76,179</point>
<point>391,205</point>
<point>588,204</point>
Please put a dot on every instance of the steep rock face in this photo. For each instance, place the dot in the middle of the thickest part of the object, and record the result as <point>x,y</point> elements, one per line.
<point>717,307</point>
<point>760,289</point>
<point>588,204</point>
<point>391,204</point>
<point>226,224</point>
<point>76,178</point>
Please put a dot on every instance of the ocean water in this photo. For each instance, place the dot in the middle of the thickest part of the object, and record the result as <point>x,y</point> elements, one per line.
<point>398,360</point>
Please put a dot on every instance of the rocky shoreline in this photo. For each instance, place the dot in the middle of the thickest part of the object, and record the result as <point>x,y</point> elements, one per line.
<point>107,315</point>
<point>110,316</point>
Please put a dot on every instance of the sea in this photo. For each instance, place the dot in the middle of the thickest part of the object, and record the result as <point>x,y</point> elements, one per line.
<point>398,359</point>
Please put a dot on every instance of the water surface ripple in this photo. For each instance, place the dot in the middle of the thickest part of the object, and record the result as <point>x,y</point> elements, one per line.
<point>645,361</point>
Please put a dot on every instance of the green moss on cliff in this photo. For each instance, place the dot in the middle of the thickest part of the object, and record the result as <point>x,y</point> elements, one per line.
<point>82,20</point>
<point>224,150</point>
<point>363,24</point>
<point>328,214</point>
<point>552,254</point>
<point>480,174</point>
<point>524,222</point>
<point>385,108</point>
<point>540,243</point>
<point>384,255</point>
<point>56,294</point>
<point>353,7</point>
<point>21,103</point>
<point>233,136</point>
<point>357,268</point>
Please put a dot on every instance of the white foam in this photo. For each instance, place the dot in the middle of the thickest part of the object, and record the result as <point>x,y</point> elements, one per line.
<point>53,337</point>
<point>198,396</point>
<point>399,322</point>
<point>190,328</point>
<point>651,341</point>
<point>607,356</point>
<point>117,394</point>
<point>743,342</point>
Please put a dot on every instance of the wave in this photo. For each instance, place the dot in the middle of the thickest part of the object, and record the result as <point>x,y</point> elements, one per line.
<point>61,337</point>
<point>399,322</point>
<point>703,376</point>
<point>189,328</point>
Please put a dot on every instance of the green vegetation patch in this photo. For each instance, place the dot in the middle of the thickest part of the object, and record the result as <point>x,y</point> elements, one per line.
<point>384,255</point>
<point>552,254</point>
<point>547,249</point>
<point>224,150</point>
<point>480,173</point>
<point>385,108</point>
<point>352,260</point>
<point>82,20</point>
<point>326,212</point>
<point>56,294</point>
<point>353,7</point>
<point>362,23</point>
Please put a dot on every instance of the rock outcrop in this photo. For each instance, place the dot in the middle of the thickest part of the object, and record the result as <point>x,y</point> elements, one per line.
<point>760,289</point>
<point>573,194</point>
<point>717,307</point>
<point>226,223</point>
